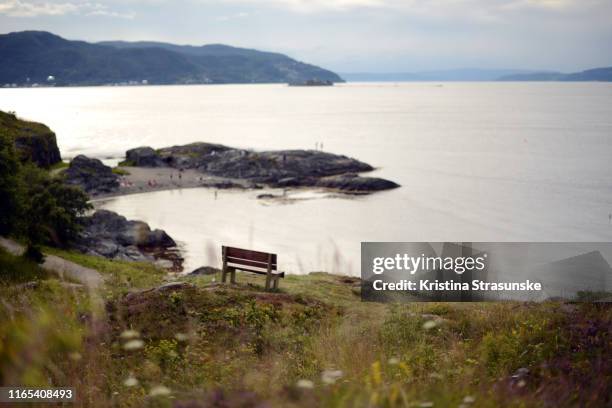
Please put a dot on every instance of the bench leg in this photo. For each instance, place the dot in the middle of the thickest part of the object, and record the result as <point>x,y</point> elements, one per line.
<point>268,281</point>
<point>233,276</point>
<point>224,276</point>
<point>275,283</point>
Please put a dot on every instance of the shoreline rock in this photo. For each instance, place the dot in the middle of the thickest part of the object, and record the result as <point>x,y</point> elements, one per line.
<point>276,169</point>
<point>110,235</point>
<point>354,183</point>
<point>91,175</point>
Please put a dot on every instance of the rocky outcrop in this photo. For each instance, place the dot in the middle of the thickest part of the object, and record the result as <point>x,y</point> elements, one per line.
<point>91,175</point>
<point>143,157</point>
<point>205,270</point>
<point>283,168</point>
<point>112,236</point>
<point>34,141</point>
<point>353,183</point>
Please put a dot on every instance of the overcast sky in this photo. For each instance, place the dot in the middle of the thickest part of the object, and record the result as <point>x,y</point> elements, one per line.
<point>348,35</point>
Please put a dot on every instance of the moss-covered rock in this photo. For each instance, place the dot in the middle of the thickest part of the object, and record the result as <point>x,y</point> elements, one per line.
<point>34,141</point>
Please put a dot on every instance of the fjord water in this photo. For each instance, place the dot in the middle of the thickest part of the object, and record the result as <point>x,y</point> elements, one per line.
<point>476,161</point>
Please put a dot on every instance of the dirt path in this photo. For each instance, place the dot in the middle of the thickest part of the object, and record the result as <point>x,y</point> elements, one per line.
<point>63,268</point>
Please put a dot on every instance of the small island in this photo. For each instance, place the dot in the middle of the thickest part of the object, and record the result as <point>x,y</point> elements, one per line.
<point>219,166</point>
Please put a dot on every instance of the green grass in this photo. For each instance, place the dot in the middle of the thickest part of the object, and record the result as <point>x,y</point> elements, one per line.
<point>14,126</point>
<point>41,325</point>
<point>119,276</point>
<point>255,347</point>
<point>59,166</point>
<point>120,172</point>
<point>15,269</point>
<point>126,163</point>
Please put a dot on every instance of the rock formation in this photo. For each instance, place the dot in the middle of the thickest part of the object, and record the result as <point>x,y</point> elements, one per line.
<point>91,175</point>
<point>282,168</point>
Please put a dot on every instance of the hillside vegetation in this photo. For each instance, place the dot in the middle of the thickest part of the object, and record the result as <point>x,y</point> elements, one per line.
<point>34,141</point>
<point>35,205</point>
<point>197,343</point>
<point>33,56</point>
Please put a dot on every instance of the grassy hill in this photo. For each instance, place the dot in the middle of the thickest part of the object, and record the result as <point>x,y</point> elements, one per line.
<point>32,56</point>
<point>197,343</point>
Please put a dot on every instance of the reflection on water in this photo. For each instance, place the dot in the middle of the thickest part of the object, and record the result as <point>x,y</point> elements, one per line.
<point>307,234</point>
<point>476,161</point>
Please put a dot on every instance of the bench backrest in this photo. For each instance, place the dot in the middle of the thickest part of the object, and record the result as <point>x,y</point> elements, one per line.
<point>247,257</point>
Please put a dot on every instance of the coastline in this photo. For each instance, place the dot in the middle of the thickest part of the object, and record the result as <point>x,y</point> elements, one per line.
<point>140,180</point>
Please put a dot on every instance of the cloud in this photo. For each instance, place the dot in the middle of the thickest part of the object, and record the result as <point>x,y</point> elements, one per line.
<point>438,8</point>
<point>34,8</point>
<point>17,8</point>
<point>232,16</point>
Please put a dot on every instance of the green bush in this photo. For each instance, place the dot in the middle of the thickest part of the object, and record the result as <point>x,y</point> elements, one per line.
<point>9,185</point>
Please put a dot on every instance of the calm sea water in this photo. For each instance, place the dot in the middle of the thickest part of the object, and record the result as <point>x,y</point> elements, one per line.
<point>476,161</point>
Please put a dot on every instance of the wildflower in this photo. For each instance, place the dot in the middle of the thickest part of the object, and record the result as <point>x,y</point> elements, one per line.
<point>159,391</point>
<point>521,383</point>
<point>468,399</point>
<point>181,336</point>
<point>74,356</point>
<point>376,373</point>
<point>394,361</point>
<point>331,376</point>
<point>430,324</point>
<point>129,334</point>
<point>306,384</point>
<point>130,381</point>
<point>426,404</point>
<point>133,345</point>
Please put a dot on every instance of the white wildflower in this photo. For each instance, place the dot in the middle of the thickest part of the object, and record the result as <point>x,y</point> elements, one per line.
<point>430,324</point>
<point>394,361</point>
<point>130,381</point>
<point>331,376</point>
<point>74,356</point>
<point>129,334</point>
<point>468,399</point>
<point>159,391</point>
<point>133,345</point>
<point>426,404</point>
<point>306,384</point>
<point>181,336</point>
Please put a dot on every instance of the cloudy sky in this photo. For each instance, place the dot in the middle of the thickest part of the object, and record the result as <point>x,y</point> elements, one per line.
<point>349,35</point>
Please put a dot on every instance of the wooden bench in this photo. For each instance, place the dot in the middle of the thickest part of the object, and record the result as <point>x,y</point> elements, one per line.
<point>246,260</point>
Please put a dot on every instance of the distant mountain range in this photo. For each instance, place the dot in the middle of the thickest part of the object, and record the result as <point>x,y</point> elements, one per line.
<point>469,74</point>
<point>40,57</point>
<point>597,74</point>
<point>465,74</point>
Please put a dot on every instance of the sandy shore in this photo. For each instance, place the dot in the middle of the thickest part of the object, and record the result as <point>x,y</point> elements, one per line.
<point>145,180</point>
